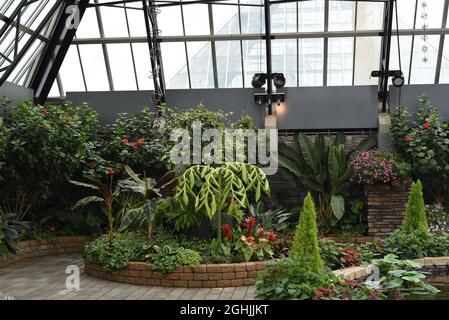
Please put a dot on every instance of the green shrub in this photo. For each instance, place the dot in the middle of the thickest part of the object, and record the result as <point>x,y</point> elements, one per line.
<point>330,252</point>
<point>166,259</point>
<point>415,216</point>
<point>291,279</point>
<point>116,255</point>
<point>305,242</point>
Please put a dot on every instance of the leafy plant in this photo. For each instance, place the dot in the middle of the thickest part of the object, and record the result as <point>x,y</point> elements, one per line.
<point>107,195</point>
<point>225,189</point>
<point>322,170</point>
<point>9,233</point>
<point>270,219</point>
<point>116,254</point>
<point>403,276</point>
<point>305,242</point>
<point>150,190</point>
<point>167,259</point>
<point>330,253</point>
<point>415,215</point>
<point>438,219</point>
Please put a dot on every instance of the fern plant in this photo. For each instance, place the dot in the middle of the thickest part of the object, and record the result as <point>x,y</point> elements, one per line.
<point>221,190</point>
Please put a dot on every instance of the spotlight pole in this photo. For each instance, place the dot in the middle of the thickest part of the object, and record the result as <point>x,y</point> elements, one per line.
<point>268,54</point>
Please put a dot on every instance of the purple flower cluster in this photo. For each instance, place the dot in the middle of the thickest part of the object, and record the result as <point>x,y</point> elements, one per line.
<point>438,219</point>
<point>375,166</point>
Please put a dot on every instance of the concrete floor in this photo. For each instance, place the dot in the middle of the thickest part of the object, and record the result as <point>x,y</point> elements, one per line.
<point>44,278</point>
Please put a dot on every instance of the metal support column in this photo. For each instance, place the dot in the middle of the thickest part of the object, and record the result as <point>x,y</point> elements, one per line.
<point>385,55</point>
<point>268,55</point>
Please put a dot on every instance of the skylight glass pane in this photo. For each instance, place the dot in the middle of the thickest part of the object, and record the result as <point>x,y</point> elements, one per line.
<point>406,14</point>
<point>143,66</point>
<point>310,60</point>
<point>70,72</point>
<point>114,22</point>
<point>200,62</point>
<point>424,59</point>
<point>283,17</point>
<point>253,18</point>
<point>170,21</point>
<point>122,69</point>
<point>94,67</point>
<point>196,19</point>
<point>54,91</point>
<point>370,15</point>
<point>284,60</point>
<point>367,59</point>
<point>405,43</point>
<point>311,16</point>
<point>88,27</point>
<point>226,19</point>
<point>341,15</point>
<point>444,73</point>
<point>229,64</point>
<point>340,56</point>
<point>253,59</point>
<point>174,62</point>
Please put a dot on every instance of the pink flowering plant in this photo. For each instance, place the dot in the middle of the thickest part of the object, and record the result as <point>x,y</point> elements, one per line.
<point>438,219</point>
<point>376,166</point>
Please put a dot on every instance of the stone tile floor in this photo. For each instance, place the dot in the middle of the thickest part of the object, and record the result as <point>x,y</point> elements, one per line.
<point>44,278</point>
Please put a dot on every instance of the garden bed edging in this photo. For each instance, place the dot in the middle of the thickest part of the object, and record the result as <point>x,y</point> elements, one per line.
<point>37,248</point>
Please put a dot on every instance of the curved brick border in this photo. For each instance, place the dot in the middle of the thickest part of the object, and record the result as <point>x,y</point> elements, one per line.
<point>202,276</point>
<point>37,248</point>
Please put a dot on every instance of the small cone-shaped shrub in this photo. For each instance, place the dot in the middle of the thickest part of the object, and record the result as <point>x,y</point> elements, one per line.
<point>415,216</point>
<point>305,242</point>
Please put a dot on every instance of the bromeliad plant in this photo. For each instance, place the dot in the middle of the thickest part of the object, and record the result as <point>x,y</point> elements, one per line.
<point>149,190</point>
<point>221,190</point>
<point>322,170</point>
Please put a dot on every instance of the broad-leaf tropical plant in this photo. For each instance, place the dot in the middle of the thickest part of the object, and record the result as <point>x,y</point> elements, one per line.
<point>322,170</point>
<point>226,189</point>
<point>150,190</point>
<point>9,232</point>
<point>107,193</point>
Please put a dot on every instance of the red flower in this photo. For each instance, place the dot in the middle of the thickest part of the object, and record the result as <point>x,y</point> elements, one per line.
<point>426,125</point>
<point>69,120</point>
<point>322,292</point>
<point>140,141</point>
<point>110,171</point>
<point>272,236</point>
<point>44,111</point>
<point>227,231</point>
<point>134,145</point>
<point>250,222</point>
<point>407,138</point>
<point>125,141</point>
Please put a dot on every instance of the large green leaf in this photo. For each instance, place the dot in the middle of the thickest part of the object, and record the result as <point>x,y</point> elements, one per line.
<point>133,175</point>
<point>82,184</point>
<point>338,206</point>
<point>85,201</point>
<point>309,154</point>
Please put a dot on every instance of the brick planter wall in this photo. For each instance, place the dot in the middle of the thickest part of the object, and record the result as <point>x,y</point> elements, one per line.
<point>202,276</point>
<point>386,207</point>
<point>37,248</point>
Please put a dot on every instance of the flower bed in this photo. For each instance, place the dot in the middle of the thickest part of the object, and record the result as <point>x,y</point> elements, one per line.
<point>201,276</point>
<point>36,248</point>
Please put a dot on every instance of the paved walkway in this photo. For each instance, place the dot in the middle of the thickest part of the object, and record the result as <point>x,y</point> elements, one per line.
<point>45,277</point>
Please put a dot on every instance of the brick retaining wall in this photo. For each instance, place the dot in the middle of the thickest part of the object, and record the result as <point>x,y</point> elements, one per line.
<point>202,276</point>
<point>386,207</point>
<point>37,248</point>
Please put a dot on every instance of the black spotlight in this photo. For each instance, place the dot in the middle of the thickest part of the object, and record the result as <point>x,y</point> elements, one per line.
<point>398,79</point>
<point>259,80</point>
<point>279,80</point>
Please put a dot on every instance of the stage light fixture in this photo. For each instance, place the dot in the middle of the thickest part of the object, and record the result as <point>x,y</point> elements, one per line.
<point>278,80</point>
<point>259,80</point>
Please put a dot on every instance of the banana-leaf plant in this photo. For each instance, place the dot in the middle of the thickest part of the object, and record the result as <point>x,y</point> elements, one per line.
<point>149,190</point>
<point>9,231</point>
<point>226,189</point>
<point>322,170</point>
<point>107,193</point>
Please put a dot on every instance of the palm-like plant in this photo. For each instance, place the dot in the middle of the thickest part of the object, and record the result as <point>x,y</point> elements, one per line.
<point>322,170</point>
<point>107,195</point>
<point>224,189</point>
<point>149,190</point>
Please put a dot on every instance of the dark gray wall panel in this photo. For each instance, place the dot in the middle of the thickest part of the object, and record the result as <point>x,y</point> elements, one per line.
<point>15,93</point>
<point>330,108</point>
<point>438,93</point>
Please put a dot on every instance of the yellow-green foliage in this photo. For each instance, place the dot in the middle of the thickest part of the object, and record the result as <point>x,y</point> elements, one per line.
<point>415,216</point>
<point>305,242</point>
